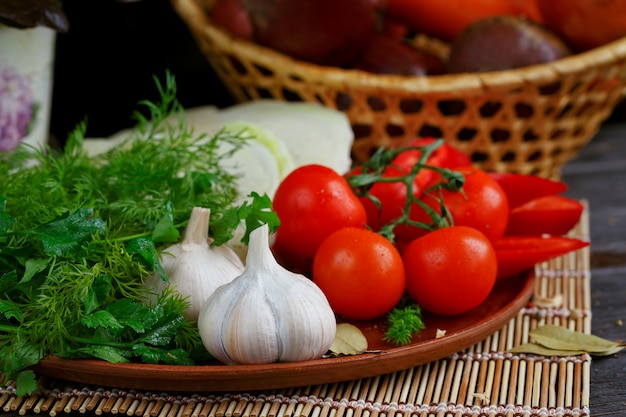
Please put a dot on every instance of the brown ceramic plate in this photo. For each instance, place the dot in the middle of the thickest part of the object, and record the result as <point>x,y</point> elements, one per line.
<point>505,301</point>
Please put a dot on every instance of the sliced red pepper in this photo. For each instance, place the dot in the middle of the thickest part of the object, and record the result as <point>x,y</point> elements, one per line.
<point>516,254</point>
<point>522,188</point>
<point>552,214</point>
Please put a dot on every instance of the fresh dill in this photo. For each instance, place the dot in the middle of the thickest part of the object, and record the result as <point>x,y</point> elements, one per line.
<point>79,233</point>
<point>404,321</point>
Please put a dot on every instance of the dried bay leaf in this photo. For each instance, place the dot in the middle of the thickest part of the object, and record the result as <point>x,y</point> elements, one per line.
<point>551,340</point>
<point>536,349</point>
<point>560,338</point>
<point>609,352</point>
<point>349,340</point>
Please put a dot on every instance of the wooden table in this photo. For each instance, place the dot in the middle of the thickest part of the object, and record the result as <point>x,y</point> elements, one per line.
<point>598,174</point>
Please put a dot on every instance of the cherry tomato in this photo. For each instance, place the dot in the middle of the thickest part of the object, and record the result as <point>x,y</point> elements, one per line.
<point>522,188</point>
<point>552,215</point>
<point>445,156</point>
<point>585,24</point>
<point>445,19</point>
<point>312,202</point>
<point>360,272</point>
<point>482,204</point>
<point>517,254</point>
<point>451,270</point>
<point>392,195</point>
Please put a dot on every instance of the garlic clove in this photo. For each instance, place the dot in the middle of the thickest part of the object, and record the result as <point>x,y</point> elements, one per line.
<point>194,268</point>
<point>267,314</point>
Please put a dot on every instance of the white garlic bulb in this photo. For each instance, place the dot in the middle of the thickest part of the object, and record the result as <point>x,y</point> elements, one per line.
<point>267,314</point>
<point>194,267</point>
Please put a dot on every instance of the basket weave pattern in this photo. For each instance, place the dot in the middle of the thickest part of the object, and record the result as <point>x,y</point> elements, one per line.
<point>530,120</point>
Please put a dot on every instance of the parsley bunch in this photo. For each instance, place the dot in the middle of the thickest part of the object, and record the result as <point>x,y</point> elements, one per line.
<point>78,235</point>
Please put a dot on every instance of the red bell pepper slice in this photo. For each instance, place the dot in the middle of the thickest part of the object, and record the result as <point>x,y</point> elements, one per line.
<point>516,254</point>
<point>552,214</point>
<point>522,188</point>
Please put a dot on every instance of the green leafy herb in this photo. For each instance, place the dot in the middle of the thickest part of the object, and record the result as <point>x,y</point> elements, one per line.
<point>404,321</point>
<point>79,234</point>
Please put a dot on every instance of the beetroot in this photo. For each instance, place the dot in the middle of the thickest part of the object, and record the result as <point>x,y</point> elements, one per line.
<point>231,16</point>
<point>389,55</point>
<point>325,32</point>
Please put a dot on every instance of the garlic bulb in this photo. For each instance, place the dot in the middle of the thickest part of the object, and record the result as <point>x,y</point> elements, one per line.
<point>194,267</point>
<point>267,314</point>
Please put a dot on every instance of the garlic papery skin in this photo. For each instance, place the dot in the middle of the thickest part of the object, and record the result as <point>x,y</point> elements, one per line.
<point>194,267</point>
<point>267,314</point>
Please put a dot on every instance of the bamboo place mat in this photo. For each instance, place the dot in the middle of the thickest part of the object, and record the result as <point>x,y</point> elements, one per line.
<point>483,380</point>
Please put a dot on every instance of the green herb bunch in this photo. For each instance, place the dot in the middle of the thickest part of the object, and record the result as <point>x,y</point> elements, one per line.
<point>78,235</point>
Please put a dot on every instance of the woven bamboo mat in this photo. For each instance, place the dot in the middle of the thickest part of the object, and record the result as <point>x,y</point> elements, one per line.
<point>483,380</point>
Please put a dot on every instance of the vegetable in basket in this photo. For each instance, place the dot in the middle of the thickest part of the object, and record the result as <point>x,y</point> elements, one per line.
<point>326,32</point>
<point>585,24</point>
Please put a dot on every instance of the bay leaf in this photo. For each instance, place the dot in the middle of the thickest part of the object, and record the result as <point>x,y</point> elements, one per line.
<point>349,340</point>
<point>610,352</point>
<point>536,349</point>
<point>560,338</point>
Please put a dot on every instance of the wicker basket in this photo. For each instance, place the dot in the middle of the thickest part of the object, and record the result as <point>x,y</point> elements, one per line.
<point>529,120</point>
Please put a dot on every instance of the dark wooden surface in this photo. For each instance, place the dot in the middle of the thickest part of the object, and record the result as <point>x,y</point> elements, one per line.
<point>598,174</point>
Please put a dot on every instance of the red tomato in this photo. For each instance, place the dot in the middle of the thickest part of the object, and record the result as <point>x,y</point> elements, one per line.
<point>445,156</point>
<point>482,204</point>
<point>517,254</point>
<point>451,270</point>
<point>585,24</point>
<point>392,195</point>
<point>312,202</point>
<point>445,19</point>
<point>522,188</point>
<point>360,272</point>
<point>552,215</point>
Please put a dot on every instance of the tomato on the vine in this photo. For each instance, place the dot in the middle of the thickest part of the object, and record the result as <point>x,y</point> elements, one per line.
<point>392,195</point>
<point>312,202</point>
<point>360,272</point>
<point>481,204</point>
<point>451,270</point>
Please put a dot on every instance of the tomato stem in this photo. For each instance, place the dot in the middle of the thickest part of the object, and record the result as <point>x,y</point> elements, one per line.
<point>372,172</point>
